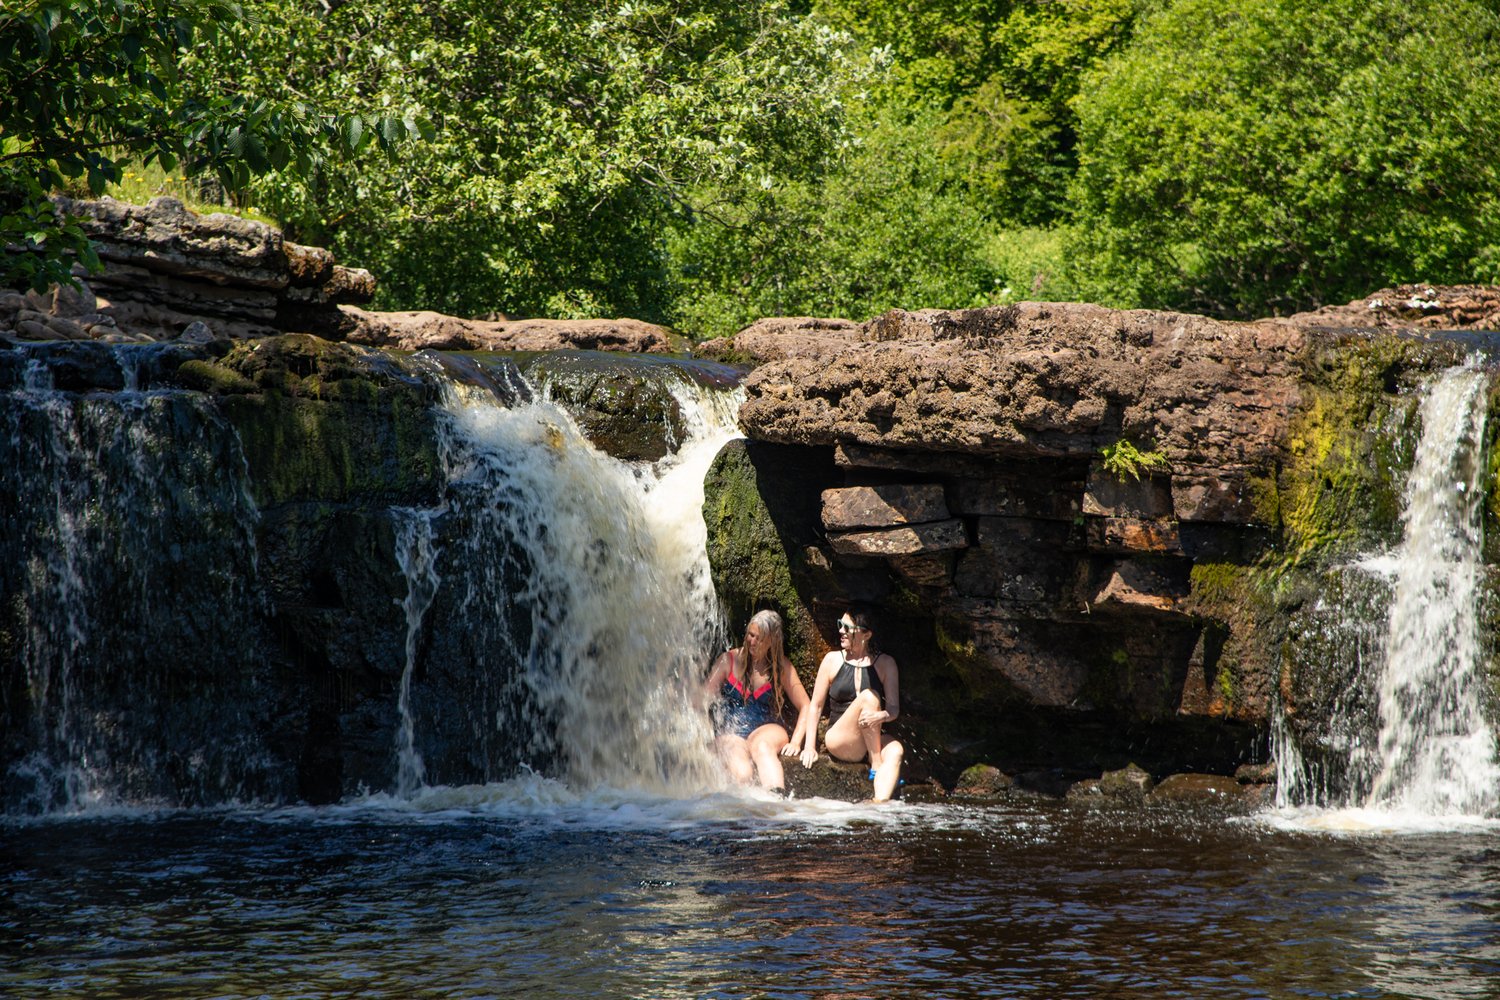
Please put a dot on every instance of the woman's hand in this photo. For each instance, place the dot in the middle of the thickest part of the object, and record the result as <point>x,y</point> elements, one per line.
<point>790,750</point>
<point>869,718</point>
<point>809,757</point>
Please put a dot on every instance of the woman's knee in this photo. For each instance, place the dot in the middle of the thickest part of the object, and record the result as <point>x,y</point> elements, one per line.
<point>767,741</point>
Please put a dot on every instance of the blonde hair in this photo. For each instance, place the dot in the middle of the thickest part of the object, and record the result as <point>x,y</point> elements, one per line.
<point>771,630</point>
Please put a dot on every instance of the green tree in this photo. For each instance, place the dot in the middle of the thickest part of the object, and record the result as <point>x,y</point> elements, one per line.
<point>1245,157</point>
<point>89,86</point>
<point>1002,75</point>
<point>570,137</point>
<point>888,225</point>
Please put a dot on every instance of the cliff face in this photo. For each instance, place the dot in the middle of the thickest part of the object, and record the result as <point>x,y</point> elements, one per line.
<point>1069,513</point>
<point>1093,536</point>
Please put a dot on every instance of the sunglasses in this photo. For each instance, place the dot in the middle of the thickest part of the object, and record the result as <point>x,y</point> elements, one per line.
<point>849,628</point>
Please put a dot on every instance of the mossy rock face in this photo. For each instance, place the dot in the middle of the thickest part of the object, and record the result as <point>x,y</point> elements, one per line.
<point>1347,450</point>
<point>324,421</point>
<point>624,406</point>
<point>1243,629</point>
<point>760,506</point>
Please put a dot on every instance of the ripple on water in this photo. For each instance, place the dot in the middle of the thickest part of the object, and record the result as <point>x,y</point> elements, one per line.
<point>531,889</point>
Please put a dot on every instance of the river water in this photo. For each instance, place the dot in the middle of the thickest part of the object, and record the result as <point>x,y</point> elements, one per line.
<point>526,889</point>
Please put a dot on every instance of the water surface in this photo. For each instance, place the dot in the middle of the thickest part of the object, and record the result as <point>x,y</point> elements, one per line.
<point>524,889</point>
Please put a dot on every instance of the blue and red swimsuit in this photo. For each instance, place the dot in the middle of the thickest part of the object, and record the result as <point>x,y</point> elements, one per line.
<point>741,712</point>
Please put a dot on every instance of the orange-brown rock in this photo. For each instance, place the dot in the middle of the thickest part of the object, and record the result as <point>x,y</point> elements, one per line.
<point>414,331</point>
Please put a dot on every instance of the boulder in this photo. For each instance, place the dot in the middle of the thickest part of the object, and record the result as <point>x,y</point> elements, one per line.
<point>778,337</point>
<point>983,781</point>
<point>1127,784</point>
<point>916,539</point>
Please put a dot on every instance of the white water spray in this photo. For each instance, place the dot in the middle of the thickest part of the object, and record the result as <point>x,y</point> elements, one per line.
<point>603,581</point>
<point>1437,751</point>
<point>417,556</point>
<point>1410,727</point>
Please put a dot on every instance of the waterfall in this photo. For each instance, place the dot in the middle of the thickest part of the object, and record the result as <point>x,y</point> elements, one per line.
<point>1437,752</point>
<point>600,597</point>
<point>1410,723</point>
<point>217,598</point>
<point>417,556</point>
<point>128,578</point>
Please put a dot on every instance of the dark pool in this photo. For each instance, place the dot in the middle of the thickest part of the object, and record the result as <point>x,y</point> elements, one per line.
<point>530,891</point>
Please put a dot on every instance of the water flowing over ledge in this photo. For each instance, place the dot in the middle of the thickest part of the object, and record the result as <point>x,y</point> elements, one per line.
<point>399,572</point>
<point>1425,754</point>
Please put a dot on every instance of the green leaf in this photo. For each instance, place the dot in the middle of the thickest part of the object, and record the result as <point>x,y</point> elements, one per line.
<point>353,132</point>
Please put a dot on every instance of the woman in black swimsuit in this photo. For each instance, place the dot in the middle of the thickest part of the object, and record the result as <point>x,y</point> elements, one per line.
<point>862,689</point>
<point>749,688</point>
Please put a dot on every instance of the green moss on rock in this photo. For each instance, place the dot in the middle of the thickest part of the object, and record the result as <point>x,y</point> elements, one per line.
<point>213,378</point>
<point>324,421</point>
<point>1350,444</point>
<point>750,555</point>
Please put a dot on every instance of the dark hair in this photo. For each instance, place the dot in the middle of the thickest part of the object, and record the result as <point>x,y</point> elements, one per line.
<point>865,619</point>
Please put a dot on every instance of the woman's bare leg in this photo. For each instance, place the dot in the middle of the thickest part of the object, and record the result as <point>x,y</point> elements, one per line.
<point>735,753</point>
<point>888,771</point>
<point>848,740</point>
<point>765,751</point>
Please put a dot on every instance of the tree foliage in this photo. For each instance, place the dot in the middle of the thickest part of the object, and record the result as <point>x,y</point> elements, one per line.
<point>89,86</point>
<point>886,226</point>
<point>704,162</point>
<point>1253,156</point>
<point>570,135</point>
<point>1002,75</point>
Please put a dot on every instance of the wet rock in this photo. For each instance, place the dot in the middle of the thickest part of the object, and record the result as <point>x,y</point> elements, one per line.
<point>196,333</point>
<point>983,780</point>
<point>1197,788</point>
<point>1128,784</point>
<point>828,779</point>
<point>1256,774</point>
<point>626,409</point>
<point>762,514</point>
<point>1087,790</point>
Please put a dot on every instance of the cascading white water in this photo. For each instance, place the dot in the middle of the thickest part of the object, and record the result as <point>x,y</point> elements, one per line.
<point>555,614</point>
<point>1437,751</point>
<point>119,528</point>
<point>604,564</point>
<point>1409,741</point>
<point>417,556</point>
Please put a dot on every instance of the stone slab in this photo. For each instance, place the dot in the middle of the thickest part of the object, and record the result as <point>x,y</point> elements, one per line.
<point>1152,587</point>
<point>940,536</point>
<point>1128,534</point>
<point>1108,495</point>
<point>883,506</point>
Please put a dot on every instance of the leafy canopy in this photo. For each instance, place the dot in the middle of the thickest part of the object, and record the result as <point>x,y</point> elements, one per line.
<point>1247,157</point>
<point>570,137</point>
<point>89,86</point>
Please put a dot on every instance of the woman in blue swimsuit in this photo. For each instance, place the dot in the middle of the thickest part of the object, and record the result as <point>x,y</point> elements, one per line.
<point>863,692</point>
<point>751,686</point>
